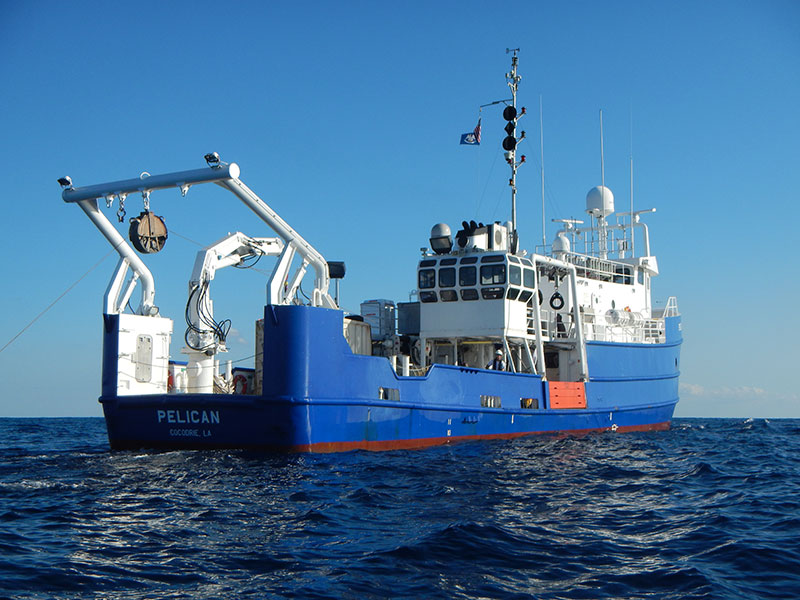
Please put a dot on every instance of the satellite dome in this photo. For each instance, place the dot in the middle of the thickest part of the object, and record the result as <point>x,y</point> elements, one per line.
<point>441,242</point>
<point>440,230</point>
<point>600,201</point>
<point>561,243</point>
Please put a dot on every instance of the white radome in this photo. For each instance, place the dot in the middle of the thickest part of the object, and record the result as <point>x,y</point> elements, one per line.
<point>600,201</point>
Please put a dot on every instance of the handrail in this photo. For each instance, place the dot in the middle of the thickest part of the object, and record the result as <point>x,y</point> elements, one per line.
<point>671,309</point>
<point>647,331</point>
<point>598,265</point>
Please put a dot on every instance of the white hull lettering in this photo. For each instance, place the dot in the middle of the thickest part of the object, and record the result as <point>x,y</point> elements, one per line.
<point>184,432</point>
<point>184,417</point>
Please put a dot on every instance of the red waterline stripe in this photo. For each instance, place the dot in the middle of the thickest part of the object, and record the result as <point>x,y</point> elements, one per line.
<point>410,444</point>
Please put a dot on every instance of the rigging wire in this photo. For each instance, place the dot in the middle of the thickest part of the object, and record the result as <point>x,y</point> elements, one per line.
<point>53,303</point>
<point>173,232</point>
<point>219,328</point>
<point>486,185</point>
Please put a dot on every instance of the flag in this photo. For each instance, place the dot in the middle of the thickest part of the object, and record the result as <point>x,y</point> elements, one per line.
<point>473,138</point>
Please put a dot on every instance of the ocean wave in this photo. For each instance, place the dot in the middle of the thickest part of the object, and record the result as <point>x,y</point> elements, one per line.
<point>708,509</point>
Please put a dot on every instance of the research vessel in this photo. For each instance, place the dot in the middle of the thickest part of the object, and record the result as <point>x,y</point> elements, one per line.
<point>496,342</point>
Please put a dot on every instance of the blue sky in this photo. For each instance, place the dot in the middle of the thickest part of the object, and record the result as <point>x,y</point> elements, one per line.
<point>346,116</point>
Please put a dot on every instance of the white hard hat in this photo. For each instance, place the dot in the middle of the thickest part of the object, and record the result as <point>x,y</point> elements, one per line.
<point>499,353</point>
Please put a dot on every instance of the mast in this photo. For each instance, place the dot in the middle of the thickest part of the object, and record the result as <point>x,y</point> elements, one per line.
<point>541,149</point>
<point>601,219</point>
<point>510,142</point>
<point>602,160</point>
<point>633,244</point>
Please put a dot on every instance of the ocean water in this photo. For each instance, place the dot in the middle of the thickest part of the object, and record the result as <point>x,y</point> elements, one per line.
<point>709,509</point>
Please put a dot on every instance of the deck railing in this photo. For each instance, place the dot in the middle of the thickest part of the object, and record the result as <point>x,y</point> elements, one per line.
<point>644,331</point>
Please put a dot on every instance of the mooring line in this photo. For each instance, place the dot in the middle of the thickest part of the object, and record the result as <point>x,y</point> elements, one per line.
<point>53,303</point>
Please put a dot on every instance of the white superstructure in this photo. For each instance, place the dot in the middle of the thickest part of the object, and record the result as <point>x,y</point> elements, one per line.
<point>476,294</point>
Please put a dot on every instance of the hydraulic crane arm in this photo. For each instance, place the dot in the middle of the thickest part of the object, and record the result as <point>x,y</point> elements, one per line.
<point>203,333</point>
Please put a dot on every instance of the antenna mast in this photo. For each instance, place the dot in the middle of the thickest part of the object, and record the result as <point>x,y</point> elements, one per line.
<point>510,142</point>
<point>633,243</point>
<point>601,219</point>
<point>541,148</point>
<point>602,163</point>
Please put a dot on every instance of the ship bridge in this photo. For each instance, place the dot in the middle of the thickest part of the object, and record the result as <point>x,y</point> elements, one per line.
<point>482,296</point>
<point>477,298</point>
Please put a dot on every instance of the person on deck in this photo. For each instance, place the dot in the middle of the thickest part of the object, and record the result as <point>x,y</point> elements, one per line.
<point>561,330</point>
<point>497,364</point>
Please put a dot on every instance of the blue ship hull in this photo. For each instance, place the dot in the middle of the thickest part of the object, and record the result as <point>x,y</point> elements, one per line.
<point>319,396</point>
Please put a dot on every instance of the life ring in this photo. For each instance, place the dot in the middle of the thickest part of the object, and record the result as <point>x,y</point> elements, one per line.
<point>236,380</point>
<point>557,301</point>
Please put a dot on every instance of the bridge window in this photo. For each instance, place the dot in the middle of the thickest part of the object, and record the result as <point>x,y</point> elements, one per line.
<point>427,279</point>
<point>492,293</point>
<point>447,277</point>
<point>448,261</point>
<point>493,274</point>
<point>525,295</point>
<point>512,293</point>
<point>528,278</point>
<point>427,296</point>
<point>469,260</point>
<point>514,275</point>
<point>469,294</point>
<point>448,295</point>
<point>428,263</point>
<point>467,276</point>
<point>494,258</point>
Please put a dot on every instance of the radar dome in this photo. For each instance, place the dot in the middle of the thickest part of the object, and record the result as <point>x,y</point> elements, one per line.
<point>561,243</point>
<point>441,242</point>
<point>600,201</point>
